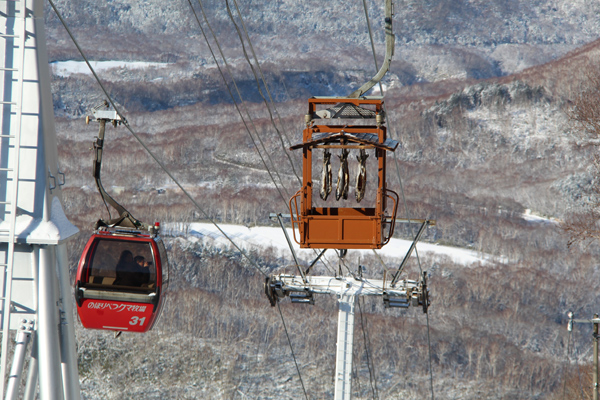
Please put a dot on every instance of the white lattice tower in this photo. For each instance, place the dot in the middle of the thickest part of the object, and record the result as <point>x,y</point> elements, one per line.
<point>34,281</point>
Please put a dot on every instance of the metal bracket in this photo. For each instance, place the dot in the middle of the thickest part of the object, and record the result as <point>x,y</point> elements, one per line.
<point>395,302</point>
<point>64,179</point>
<point>302,297</point>
<point>407,292</point>
<point>125,218</point>
<point>280,219</point>
<point>27,326</point>
<point>51,186</point>
<point>274,290</point>
<point>389,52</point>
<point>106,115</point>
<point>424,225</point>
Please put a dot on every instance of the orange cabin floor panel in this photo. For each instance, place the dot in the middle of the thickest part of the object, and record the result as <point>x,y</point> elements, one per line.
<point>341,228</point>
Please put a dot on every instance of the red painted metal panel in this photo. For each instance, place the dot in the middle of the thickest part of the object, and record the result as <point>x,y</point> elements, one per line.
<point>117,315</point>
<point>113,305</point>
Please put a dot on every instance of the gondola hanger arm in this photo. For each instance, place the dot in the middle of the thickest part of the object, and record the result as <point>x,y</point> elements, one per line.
<point>102,115</point>
<point>389,53</point>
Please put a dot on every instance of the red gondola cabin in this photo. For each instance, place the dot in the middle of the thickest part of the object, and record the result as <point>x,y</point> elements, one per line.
<point>121,280</point>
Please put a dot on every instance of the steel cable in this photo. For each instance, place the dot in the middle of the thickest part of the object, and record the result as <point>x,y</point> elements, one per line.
<point>292,349</point>
<point>222,75</point>
<point>257,135</point>
<point>259,87</point>
<point>263,81</point>
<point>403,198</point>
<point>257,82</point>
<point>162,166</point>
<point>234,102</point>
<point>367,342</point>
<point>234,82</point>
<point>566,373</point>
<point>238,92</point>
<point>357,376</point>
<point>579,373</point>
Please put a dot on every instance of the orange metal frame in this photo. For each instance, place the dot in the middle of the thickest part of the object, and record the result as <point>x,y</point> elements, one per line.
<point>343,228</point>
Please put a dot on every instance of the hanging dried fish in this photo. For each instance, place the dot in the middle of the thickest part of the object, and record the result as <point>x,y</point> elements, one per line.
<point>341,190</point>
<point>361,177</point>
<point>326,175</point>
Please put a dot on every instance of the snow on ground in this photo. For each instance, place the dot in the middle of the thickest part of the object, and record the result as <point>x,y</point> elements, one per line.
<point>66,68</point>
<point>262,237</point>
<point>528,216</point>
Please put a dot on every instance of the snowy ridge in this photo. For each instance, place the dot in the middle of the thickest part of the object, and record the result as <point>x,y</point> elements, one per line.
<point>531,217</point>
<point>67,68</point>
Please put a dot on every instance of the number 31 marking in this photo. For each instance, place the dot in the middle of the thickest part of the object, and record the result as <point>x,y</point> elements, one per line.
<point>135,320</point>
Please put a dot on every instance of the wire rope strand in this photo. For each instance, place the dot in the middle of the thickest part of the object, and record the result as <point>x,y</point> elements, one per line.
<point>367,343</point>
<point>403,198</point>
<point>292,350</point>
<point>261,74</point>
<point>259,89</point>
<point>566,373</point>
<point>287,92</point>
<point>237,90</point>
<point>420,270</point>
<point>222,75</point>
<point>162,166</point>
<point>385,268</point>
<point>239,95</point>
<point>266,89</point>
<point>235,103</point>
<point>579,373</point>
<point>263,144</point>
<point>258,85</point>
<point>430,358</point>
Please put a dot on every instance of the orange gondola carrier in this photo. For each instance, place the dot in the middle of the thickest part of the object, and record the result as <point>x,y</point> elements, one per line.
<point>330,225</point>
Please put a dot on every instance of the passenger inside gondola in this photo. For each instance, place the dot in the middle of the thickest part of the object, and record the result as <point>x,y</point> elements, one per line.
<point>125,269</point>
<point>132,271</point>
<point>143,268</point>
<point>114,264</point>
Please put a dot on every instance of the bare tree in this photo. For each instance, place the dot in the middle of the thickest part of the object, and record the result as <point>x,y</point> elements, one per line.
<point>585,115</point>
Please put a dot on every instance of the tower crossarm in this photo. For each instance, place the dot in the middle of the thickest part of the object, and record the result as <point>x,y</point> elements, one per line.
<point>405,293</point>
<point>347,289</point>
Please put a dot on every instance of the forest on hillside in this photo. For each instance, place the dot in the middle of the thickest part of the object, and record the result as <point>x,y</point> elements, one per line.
<point>489,149</point>
<point>475,160</point>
